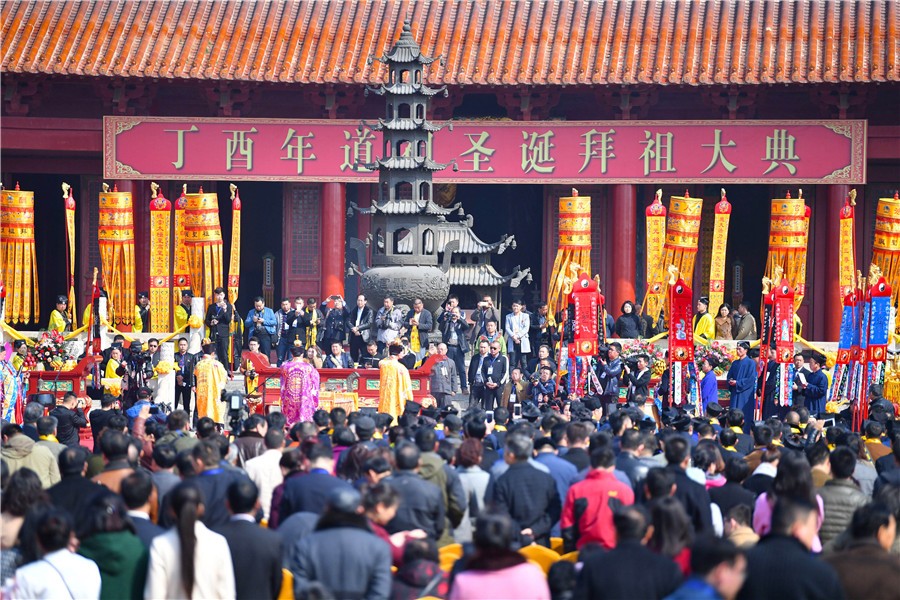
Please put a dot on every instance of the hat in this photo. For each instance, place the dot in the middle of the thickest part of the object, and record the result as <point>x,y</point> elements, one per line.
<point>345,499</point>
<point>682,423</point>
<point>143,295</point>
<point>144,392</point>
<point>530,412</point>
<point>430,412</point>
<point>453,423</point>
<point>593,402</point>
<point>62,299</point>
<point>449,410</point>
<point>544,441</point>
<point>395,349</point>
<point>188,293</point>
<point>744,345</point>
<point>365,425</point>
<point>647,424</point>
<point>668,414</point>
<point>412,407</point>
<point>704,300</point>
<point>714,409</point>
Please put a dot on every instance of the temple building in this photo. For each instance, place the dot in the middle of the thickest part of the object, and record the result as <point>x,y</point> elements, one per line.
<point>543,96</point>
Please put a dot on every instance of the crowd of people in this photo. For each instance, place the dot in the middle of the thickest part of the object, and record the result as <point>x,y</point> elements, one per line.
<point>445,504</point>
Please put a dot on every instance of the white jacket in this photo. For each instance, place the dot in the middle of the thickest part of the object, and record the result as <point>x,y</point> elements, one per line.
<point>265,471</point>
<point>213,571</point>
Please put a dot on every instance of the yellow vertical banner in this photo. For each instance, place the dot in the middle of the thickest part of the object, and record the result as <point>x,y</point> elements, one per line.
<point>203,238</point>
<point>234,262</point>
<point>160,254</point>
<point>574,253</point>
<point>656,235</point>
<point>717,260</point>
<point>17,255</point>
<point>116,240</point>
<point>69,202</point>
<point>182,273</point>
<point>847,249</point>
<point>788,230</point>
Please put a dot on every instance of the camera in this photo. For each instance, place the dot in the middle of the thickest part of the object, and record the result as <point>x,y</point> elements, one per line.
<point>163,407</point>
<point>238,412</point>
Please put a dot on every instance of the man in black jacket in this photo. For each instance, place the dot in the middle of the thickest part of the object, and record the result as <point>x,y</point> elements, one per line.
<point>691,494</point>
<point>734,419</point>
<point>781,566</point>
<point>453,333</point>
<point>335,322</point>
<point>476,374</point>
<point>629,570</point>
<point>74,491</point>
<point>69,418</point>
<point>577,442</point>
<point>358,323</point>
<point>255,552</point>
<point>309,493</point>
<point>638,380</point>
<point>184,375</point>
<point>139,495</point>
<point>421,502</point>
<point>219,316</point>
<point>733,493</point>
<point>628,460</point>
<point>528,495</point>
<point>495,370</point>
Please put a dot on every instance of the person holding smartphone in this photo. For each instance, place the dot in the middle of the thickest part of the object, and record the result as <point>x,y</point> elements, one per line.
<point>219,316</point>
<point>495,370</point>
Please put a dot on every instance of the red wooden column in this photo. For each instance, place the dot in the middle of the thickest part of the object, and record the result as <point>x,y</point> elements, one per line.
<point>334,210</point>
<point>836,194</point>
<point>622,244</point>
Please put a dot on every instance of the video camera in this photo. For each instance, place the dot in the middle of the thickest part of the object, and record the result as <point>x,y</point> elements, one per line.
<point>238,412</point>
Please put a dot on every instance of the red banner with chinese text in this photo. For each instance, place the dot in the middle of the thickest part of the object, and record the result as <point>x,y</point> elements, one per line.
<point>564,152</point>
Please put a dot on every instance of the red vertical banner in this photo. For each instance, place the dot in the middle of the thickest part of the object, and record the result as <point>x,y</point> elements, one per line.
<point>586,298</point>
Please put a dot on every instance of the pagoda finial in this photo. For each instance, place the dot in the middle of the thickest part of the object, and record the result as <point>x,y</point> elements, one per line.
<point>687,194</point>
<point>17,188</point>
<point>788,194</point>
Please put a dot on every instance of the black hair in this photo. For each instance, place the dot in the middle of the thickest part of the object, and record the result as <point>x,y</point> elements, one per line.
<point>23,490</point>
<point>117,423</point>
<point>114,444</point>
<point>631,522</point>
<point>677,449</point>
<point>817,453</point>
<point>407,456</point>
<point>187,500</point>
<point>702,457</point>
<point>763,435</point>
<point>672,529</point>
<point>426,439</point>
<point>46,425</point>
<point>602,457</point>
<point>317,451</point>
<point>843,462</point>
<point>789,511</point>
<point>136,489</point>
<point>475,428</point>
<point>343,436</point>
<point>184,462</point>
<point>741,513</point>
<point>321,418</point>
<point>338,416</point>
<point>53,530</point>
<point>659,482</point>
<point>177,420</point>
<point>207,452</point>
<point>274,439</point>
<point>242,495</point>
<point>868,519</point>
<point>493,531</point>
<point>727,437</point>
<point>874,429</point>
<point>736,470</point>
<point>276,420</point>
<point>164,455</point>
<point>107,400</point>
<point>709,552</point>
<point>106,513</point>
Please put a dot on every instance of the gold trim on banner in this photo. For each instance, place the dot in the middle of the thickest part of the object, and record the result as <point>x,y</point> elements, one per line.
<point>116,239</point>
<point>18,259</point>
<point>717,259</point>
<point>234,261</point>
<point>574,253</point>
<point>160,254</point>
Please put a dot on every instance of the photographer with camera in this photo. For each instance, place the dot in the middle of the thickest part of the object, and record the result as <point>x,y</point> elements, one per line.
<point>638,377</point>
<point>336,319</point>
<point>609,371</point>
<point>219,316</point>
<point>453,333</point>
<point>388,322</point>
<point>262,325</point>
<point>484,314</point>
<point>543,389</point>
<point>69,419</point>
<point>145,398</point>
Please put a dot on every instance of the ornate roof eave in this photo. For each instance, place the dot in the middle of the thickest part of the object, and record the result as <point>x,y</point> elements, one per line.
<point>395,207</point>
<point>469,242</point>
<point>424,124</point>
<point>409,162</point>
<point>486,275</point>
<point>410,89</point>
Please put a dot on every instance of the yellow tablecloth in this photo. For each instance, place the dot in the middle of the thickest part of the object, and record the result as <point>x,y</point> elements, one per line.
<point>349,401</point>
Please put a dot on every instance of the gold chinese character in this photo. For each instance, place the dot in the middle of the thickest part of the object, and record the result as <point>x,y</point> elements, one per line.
<point>242,145</point>
<point>536,152</point>
<point>296,152</point>
<point>480,154</point>
<point>659,151</point>
<point>358,154</point>
<point>780,148</point>
<point>718,154</point>
<point>179,161</point>
<point>605,151</point>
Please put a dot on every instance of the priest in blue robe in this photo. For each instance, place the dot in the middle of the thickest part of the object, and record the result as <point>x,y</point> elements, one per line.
<point>742,383</point>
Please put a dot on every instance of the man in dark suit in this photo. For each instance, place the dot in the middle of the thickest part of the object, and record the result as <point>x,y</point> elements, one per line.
<point>629,570</point>
<point>74,491</point>
<point>733,493</point>
<point>453,333</point>
<point>219,316</point>
<point>638,380</point>
<point>309,493</point>
<point>139,495</point>
<point>577,442</point>
<point>495,370</point>
<point>184,376</point>
<point>419,318</point>
<point>421,502</point>
<point>358,323</point>
<point>484,313</point>
<point>691,494</point>
<point>255,552</point>
<point>338,359</point>
<point>33,412</point>
<point>69,419</point>
<point>335,326</point>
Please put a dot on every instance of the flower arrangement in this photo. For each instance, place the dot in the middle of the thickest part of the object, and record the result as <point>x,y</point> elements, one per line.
<point>717,350</point>
<point>638,347</point>
<point>52,350</point>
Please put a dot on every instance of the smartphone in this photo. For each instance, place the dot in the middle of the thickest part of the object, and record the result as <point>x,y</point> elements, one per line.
<point>489,416</point>
<point>829,422</point>
<point>517,410</point>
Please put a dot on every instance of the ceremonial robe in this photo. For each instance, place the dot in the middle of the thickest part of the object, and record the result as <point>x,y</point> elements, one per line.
<point>60,322</point>
<point>743,371</point>
<point>395,389</point>
<point>708,391</point>
<point>816,392</point>
<point>704,326</point>
<point>299,391</point>
<point>209,378</point>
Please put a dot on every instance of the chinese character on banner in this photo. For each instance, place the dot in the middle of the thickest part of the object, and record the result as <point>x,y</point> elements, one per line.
<point>779,149</point>
<point>241,145</point>
<point>536,152</point>
<point>479,154</point>
<point>358,153</point>
<point>657,156</point>
<point>718,154</point>
<point>604,152</point>
<point>297,151</point>
<point>178,163</point>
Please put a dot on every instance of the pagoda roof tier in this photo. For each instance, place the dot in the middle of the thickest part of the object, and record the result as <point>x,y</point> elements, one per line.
<point>407,125</point>
<point>410,162</point>
<point>469,243</point>
<point>406,89</point>
<point>483,275</point>
<point>405,207</point>
<point>501,43</point>
<point>406,50</point>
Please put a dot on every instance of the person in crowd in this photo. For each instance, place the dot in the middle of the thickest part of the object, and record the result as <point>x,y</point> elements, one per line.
<point>69,419</point>
<point>744,323</point>
<point>793,480</point>
<point>140,497</point>
<point>476,375</point>
<point>74,490</point>
<point>284,324</point>
<point>543,358</point>
<point>421,574</point>
<point>629,570</point>
<point>264,470</point>
<point>587,516</point>
<point>337,359</point>
<point>742,380</point>
<point>518,344</point>
<point>492,334</point>
<point>342,553</point>
<point>184,376</point>
<point>474,481</point>
<point>250,443</point>
<point>189,560</point>
<point>629,459</point>
<point>484,314</point>
<point>335,323</point>
<point>422,503</point>
<point>815,390</point>
<point>219,317</point>
<point>866,568</point>
<point>60,573</point>
<point>310,492</point>
<point>209,381</point>
<point>299,388</point>
<point>709,392</point>
<point>540,330</point>
<point>724,322</point>
<point>609,372</point>
<point>494,570</point>
<point>255,551</point>
<point>840,495</point>
<point>358,325</point>
<point>672,535</point>
<point>692,495</point>
<point>718,570</point>
<point>781,566</point>
<point>20,452</point>
<point>518,389</point>
<point>417,325</point>
<point>107,536</point>
<point>183,310</point>
<point>261,324</point>
<point>495,371</point>
<point>543,389</point>
<point>736,526</point>
<point>47,429</point>
<point>370,359</point>
<point>527,494</point>
<point>732,493</point>
<point>704,323</point>
<point>628,325</point>
<point>22,491</point>
<point>453,333</point>
<point>388,322</point>
<point>395,389</point>
<point>444,378</point>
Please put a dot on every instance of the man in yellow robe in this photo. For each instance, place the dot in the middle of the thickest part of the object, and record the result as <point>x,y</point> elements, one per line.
<point>209,381</point>
<point>142,313</point>
<point>183,310</point>
<point>395,389</point>
<point>704,324</point>
<point>59,318</point>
